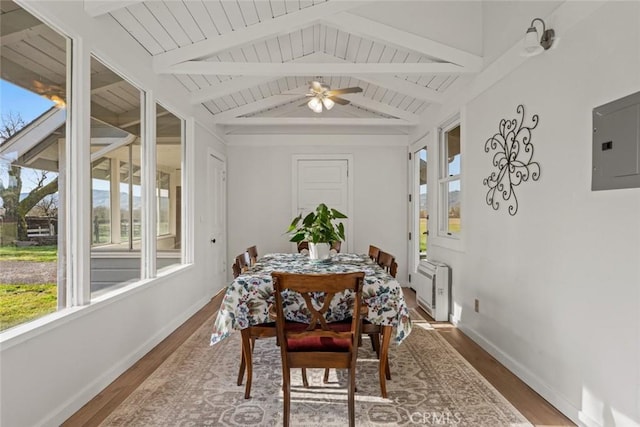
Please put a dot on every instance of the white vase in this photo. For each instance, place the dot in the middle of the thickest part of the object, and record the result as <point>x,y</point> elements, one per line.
<point>319,250</point>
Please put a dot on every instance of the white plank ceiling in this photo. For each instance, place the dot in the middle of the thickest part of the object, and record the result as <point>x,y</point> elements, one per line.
<point>245,60</point>
<point>251,61</point>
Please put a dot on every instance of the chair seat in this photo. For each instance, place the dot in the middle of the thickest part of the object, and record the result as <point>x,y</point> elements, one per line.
<point>316,343</point>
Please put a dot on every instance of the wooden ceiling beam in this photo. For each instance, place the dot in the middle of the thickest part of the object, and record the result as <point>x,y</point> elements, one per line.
<point>312,121</point>
<point>373,105</point>
<point>17,21</point>
<point>393,83</point>
<point>239,83</point>
<point>263,104</point>
<point>252,34</point>
<point>7,39</point>
<point>385,34</point>
<point>228,87</point>
<point>95,8</point>
<point>404,87</point>
<point>315,69</point>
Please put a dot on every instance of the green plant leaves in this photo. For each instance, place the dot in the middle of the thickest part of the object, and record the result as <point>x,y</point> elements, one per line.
<point>318,226</point>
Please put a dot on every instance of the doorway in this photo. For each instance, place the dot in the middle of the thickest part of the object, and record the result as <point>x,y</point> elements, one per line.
<point>324,179</point>
<point>216,224</point>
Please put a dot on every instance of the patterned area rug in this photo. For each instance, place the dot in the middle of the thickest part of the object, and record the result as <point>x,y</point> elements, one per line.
<point>431,385</point>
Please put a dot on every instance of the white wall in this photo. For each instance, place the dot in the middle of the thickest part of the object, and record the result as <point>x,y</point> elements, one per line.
<point>506,22</point>
<point>50,372</point>
<point>458,24</point>
<point>259,190</point>
<point>559,282</point>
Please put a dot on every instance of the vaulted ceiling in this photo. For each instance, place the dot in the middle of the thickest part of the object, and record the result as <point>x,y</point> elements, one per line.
<point>249,62</point>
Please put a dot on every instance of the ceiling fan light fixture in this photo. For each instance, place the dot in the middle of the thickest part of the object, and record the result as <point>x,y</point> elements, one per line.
<point>328,103</point>
<point>315,104</point>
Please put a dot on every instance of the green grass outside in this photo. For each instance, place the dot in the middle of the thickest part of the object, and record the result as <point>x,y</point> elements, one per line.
<point>29,253</point>
<point>20,303</point>
<point>423,237</point>
<point>454,227</point>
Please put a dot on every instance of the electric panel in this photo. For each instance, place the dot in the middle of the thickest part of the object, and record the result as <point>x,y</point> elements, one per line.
<point>616,144</point>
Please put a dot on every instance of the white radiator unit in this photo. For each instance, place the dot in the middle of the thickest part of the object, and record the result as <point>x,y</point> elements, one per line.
<point>433,294</point>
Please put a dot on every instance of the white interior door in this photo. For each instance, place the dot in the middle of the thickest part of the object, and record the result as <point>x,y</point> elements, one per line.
<point>323,181</point>
<point>216,226</point>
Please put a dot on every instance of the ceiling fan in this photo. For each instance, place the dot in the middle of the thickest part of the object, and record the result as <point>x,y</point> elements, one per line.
<point>321,94</point>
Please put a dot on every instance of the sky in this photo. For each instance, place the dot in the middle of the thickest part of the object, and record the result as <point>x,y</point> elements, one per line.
<point>28,105</point>
<point>17,100</point>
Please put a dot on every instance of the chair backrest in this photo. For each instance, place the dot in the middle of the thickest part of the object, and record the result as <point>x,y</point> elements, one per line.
<point>336,246</point>
<point>385,260</point>
<point>303,246</point>
<point>242,262</point>
<point>373,253</point>
<point>236,269</point>
<point>253,254</point>
<point>393,270</point>
<point>319,335</point>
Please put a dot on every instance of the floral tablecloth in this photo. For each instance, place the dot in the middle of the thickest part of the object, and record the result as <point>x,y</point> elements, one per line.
<point>248,297</point>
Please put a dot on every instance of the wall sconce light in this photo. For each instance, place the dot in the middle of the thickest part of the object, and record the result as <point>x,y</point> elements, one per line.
<point>534,44</point>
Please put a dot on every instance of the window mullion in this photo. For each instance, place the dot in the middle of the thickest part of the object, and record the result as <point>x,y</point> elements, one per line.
<point>188,178</point>
<point>148,249</point>
<point>78,184</point>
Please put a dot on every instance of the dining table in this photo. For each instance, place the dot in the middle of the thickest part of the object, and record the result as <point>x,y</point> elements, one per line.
<point>248,298</point>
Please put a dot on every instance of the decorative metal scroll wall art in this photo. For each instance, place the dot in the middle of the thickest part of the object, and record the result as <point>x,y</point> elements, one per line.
<point>512,158</point>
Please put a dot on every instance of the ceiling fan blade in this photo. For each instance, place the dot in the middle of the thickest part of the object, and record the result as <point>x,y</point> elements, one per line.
<point>345,90</point>
<point>337,100</point>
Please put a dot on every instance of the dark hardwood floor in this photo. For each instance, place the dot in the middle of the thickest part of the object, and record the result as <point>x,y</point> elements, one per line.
<point>537,410</point>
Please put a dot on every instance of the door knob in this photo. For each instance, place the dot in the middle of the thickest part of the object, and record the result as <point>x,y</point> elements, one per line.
<point>213,240</point>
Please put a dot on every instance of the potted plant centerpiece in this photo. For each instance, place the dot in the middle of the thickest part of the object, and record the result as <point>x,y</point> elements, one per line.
<point>318,228</point>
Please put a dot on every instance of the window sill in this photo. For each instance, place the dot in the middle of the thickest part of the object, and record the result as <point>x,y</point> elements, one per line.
<point>32,329</point>
<point>452,243</point>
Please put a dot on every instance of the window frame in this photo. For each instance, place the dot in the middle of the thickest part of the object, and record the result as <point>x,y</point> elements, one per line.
<point>74,253</point>
<point>444,179</point>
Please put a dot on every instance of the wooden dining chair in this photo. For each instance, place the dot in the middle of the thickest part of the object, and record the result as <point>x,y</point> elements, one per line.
<point>335,246</point>
<point>236,269</point>
<point>388,263</point>
<point>319,344</point>
<point>242,262</point>
<point>253,254</point>
<point>385,260</point>
<point>249,334</point>
<point>373,253</point>
<point>393,270</point>
<point>303,247</point>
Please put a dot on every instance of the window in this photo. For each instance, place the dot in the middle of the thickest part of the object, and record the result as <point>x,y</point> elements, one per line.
<point>116,193</point>
<point>38,141</point>
<point>421,214</point>
<point>449,181</point>
<point>169,155</point>
<point>164,208</point>
<point>33,128</point>
<point>101,201</point>
<point>130,203</point>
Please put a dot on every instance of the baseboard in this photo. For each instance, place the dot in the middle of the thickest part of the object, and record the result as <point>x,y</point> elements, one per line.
<point>587,421</point>
<point>77,401</point>
<point>528,377</point>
